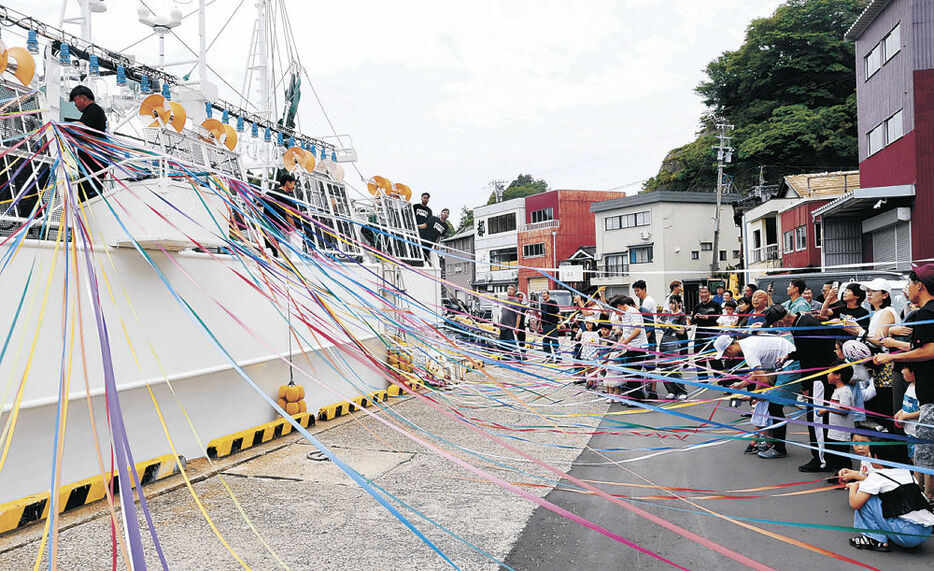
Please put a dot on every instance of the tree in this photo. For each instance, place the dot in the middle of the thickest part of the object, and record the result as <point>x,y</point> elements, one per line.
<point>790,92</point>
<point>466,218</point>
<point>523,185</point>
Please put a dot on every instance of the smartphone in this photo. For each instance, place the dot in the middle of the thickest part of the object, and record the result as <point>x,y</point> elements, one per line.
<point>836,285</point>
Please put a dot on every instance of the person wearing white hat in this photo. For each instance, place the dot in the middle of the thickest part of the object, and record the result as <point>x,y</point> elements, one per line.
<point>763,354</point>
<point>890,387</point>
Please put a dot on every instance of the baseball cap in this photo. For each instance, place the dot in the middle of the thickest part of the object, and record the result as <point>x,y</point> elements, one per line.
<point>774,313</point>
<point>878,284</point>
<point>925,273</point>
<point>720,345</point>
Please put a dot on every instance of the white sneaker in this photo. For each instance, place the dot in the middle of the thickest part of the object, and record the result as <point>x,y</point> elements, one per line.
<point>610,400</point>
<point>682,396</point>
<point>670,396</point>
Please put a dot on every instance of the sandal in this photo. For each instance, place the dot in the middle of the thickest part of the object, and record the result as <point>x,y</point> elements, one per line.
<point>863,542</point>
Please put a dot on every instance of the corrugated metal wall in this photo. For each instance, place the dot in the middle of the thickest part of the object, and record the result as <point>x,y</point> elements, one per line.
<point>842,241</point>
<point>923,34</point>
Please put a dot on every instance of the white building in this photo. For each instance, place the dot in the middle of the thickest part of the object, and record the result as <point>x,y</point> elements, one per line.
<point>661,236</point>
<point>496,244</point>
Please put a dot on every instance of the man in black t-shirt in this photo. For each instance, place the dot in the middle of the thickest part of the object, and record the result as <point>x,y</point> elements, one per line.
<point>422,214</point>
<point>551,317</point>
<point>277,213</point>
<point>435,229</point>
<point>94,117</point>
<point>921,357</point>
<point>705,317</point>
<point>814,349</point>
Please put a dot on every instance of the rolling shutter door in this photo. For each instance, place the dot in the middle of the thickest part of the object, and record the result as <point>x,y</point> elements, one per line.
<point>892,245</point>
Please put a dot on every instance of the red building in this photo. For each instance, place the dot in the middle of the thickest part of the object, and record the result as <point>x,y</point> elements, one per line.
<point>557,223</point>
<point>887,221</point>
<point>801,236</point>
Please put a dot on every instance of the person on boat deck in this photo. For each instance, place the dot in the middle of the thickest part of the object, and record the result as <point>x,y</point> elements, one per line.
<point>276,213</point>
<point>422,214</point>
<point>888,502</point>
<point>94,117</point>
<point>436,229</point>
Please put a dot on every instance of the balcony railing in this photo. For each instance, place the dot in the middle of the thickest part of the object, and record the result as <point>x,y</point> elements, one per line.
<point>540,225</point>
<point>765,253</point>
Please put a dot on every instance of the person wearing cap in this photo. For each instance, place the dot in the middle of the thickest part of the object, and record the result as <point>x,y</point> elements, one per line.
<point>93,117</point>
<point>763,354</point>
<point>814,350</point>
<point>921,292</point>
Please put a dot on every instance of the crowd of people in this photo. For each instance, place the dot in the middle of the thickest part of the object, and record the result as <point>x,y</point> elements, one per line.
<point>864,376</point>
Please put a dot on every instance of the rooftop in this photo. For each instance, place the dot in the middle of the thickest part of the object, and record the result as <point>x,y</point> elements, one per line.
<point>827,184</point>
<point>662,196</point>
<point>869,15</point>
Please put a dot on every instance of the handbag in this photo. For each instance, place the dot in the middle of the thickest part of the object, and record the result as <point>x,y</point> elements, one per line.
<point>884,376</point>
<point>906,498</point>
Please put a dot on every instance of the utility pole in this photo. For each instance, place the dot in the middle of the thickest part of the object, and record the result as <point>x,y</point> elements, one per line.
<point>498,187</point>
<point>724,156</point>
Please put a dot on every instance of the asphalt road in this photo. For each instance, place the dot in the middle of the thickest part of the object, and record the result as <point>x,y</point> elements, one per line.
<point>552,542</point>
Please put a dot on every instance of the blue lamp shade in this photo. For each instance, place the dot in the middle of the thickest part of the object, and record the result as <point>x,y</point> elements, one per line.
<point>208,110</point>
<point>268,135</point>
<point>166,92</point>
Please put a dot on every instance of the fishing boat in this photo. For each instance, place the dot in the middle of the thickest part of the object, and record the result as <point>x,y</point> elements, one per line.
<point>160,300</point>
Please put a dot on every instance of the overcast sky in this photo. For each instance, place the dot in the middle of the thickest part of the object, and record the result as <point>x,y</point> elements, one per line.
<point>446,97</point>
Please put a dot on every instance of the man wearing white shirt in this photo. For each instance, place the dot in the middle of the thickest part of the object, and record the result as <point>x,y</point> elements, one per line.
<point>648,308</point>
<point>763,354</point>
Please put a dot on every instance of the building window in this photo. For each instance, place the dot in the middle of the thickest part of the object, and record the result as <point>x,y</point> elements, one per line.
<point>789,237</point>
<point>877,139</point>
<point>533,250</point>
<point>695,255</point>
<point>818,234</point>
<point>502,223</point>
<point>722,255</point>
<point>640,255</point>
<point>886,133</point>
<point>873,61</point>
<point>629,220</point>
<point>894,128</point>
<point>616,265</point>
<point>504,258</point>
<point>543,215</point>
<point>892,43</point>
<point>801,238</point>
<point>735,254</point>
<point>706,246</point>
